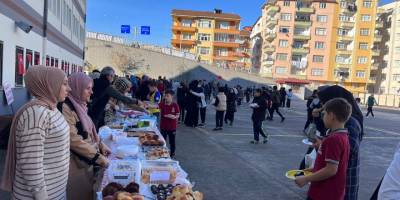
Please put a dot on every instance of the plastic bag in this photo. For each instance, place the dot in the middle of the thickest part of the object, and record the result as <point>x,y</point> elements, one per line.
<point>311,129</point>
<point>125,151</point>
<point>309,159</point>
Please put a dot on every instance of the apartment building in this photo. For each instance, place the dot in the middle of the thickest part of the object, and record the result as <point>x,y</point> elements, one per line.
<point>214,37</point>
<point>256,46</point>
<point>385,70</point>
<point>323,42</point>
<point>47,32</point>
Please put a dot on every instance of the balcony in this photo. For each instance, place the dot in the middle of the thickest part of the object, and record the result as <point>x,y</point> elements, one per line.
<point>184,28</point>
<point>378,38</point>
<point>183,42</point>
<point>300,50</point>
<point>229,57</point>
<point>379,24</point>
<point>298,76</point>
<point>231,31</point>
<point>269,49</point>
<point>346,24</point>
<point>270,36</point>
<point>372,80</point>
<point>272,10</point>
<point>302,23</point>
<point>227,44</point>
<point>375,52</point>
<point>271,23</point>
<point>268,63</point>
<point>299,64</point>
<point>346,37</point>
<point>344,51</point>
<point>305,10</point>
<point>302,36</point>
<point>375,66</point>
<point>346,65</point>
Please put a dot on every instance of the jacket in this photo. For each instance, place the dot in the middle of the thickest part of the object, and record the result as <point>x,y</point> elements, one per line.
<point>259,112</point>
<point>276,97</point>
<point>220,102</point>
<point>231,102</point>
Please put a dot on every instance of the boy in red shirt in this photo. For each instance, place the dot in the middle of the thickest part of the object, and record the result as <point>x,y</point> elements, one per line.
<point>169,119</point>
<point>328,181</point>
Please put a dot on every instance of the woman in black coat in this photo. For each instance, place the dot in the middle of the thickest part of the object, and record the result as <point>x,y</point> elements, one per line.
<point>192,106</point>
<point>181,97</point>
<point>230,107</point>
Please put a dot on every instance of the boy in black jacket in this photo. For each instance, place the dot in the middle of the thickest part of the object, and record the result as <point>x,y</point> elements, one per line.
<point>259,106</point>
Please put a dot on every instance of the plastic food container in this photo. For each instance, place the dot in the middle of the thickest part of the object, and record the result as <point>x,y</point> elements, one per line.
<point>159,172</point>
<point>122,171</point>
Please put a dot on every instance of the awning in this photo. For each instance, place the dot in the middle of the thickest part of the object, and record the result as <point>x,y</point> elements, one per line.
<point>292,81</point>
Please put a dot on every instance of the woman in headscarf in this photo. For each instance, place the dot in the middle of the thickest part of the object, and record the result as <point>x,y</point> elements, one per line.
<point>88,153</point>
<point>355,128</point>
<point>230,107</point>
<point>192,105</point>
<point>37,161</point>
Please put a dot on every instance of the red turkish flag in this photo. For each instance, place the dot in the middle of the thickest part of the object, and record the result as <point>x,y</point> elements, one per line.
<point>29,60</point>
<point>21,68</point>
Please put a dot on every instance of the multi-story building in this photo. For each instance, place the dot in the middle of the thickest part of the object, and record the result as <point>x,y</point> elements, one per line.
<point>47,32</point>
<point>256,46</point>
<point>385,71</point>
<point>324,42</point>
<point>244,50</point>
<point>213,36</point>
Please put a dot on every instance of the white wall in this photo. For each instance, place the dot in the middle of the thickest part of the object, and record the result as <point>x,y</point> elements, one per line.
<point>37,5</point>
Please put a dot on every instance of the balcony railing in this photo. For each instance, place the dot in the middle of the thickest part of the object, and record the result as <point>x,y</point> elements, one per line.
<point>184,28</point>
<point>302,22</point>
<point>302,35</point>
<point>269,49</point>
<point>375,52</point>
<point>300,50</point>
<point>270,36</point>
<point>272,9</point>
<point>306,10</point>
<point>378,38</point>
<point>271,23</point>
<point>379,24</point>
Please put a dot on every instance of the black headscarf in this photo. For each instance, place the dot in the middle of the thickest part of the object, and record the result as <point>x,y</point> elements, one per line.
<point>335,91</point>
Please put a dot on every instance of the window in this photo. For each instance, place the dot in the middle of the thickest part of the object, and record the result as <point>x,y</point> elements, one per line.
<point>360,74</point>
<point>322,5</point>
<point>203,50</point>
<point>344,18</point>
<point>343,4</point>
<point>365,18</point>
<point>186,36</point>
<point>364,32</point>
<point>284,29</point>
<point>280,70</point>
<point>47,61</point>
<point>1,63</point>
<point>56,62</point>
<point>283,43</point>
<point>367,4</point>
<point>19,66</point>
<point>286,3</point>
<point>58,9</point>
<point>281,56</point>
<point>342,31</point>
<point>320,31</point>
<point>396,77</point>
<point>204,37</point>
<point>186,22</point>
<point>223,25</point>
<point>52,62</point>
<point>222,52</point>
<point>286,16</point>
<point>204,23</point>
<point>28,58</point>
<point>363,46</point>
<point>319,45</point>
<point>318,59</point>
<point>340,45</point>
<point>362,60</point>
<point>322,18</point>
<point>317,72</point>
<point>396,63</point>
<point>343,60</point>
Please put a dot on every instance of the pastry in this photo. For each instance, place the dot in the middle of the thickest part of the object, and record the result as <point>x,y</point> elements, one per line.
<point>182,192</point>
<point>111,189</point>
<point>147,172</point>
<point>157,152</point>
<point>132,187</point>
<point>150,140</point>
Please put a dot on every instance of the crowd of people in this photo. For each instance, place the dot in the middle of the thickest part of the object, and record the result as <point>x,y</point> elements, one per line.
<point>54,151</point>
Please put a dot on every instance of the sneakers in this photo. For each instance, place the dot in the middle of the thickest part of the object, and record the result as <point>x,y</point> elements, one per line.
<point>265,140</point>
<point>201,125</point>
<point>254,142</point>
<point>283,119</point>
<point>217,129</point>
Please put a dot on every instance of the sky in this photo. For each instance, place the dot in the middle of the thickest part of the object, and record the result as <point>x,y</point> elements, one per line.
<point>107,16</point>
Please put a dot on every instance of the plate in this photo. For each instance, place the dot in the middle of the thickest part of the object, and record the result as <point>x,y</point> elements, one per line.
<point>290,174</point>
<point>307,142</point>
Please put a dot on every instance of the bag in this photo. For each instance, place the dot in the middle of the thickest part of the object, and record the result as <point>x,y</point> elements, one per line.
<point>309,159</point>
<point>311,130</point>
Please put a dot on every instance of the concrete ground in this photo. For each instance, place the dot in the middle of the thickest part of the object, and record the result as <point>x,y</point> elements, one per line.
<point>224,165</point>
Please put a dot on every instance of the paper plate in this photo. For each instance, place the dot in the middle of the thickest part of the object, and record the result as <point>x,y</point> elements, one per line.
<point>290,174</point>
<point>307,142</point>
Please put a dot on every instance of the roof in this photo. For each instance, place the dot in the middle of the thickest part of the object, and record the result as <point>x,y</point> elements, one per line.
<point>191,13</point>
<point>292,81</point>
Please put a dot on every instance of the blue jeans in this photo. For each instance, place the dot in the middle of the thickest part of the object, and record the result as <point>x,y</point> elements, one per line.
<point>257,129</point>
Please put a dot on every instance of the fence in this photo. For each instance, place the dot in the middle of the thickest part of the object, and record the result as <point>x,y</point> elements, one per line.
<point>389,100</point>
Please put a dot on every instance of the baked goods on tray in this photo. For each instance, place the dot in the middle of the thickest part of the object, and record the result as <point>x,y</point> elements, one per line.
<point>131,133</point>
<point>116,126</point>
<point>183,192</point>
<point>151,140</point>
<point>128,196</point>
<point>157,153</point>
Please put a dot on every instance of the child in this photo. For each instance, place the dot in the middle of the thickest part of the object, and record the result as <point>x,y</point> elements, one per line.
<point>155,99</point>
<point>169,119</point>
<point>289,98</point>
<point>328,181</point>
<point>220,107</point>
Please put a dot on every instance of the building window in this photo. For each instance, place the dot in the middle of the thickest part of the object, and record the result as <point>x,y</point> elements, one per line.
<point>284,29</point>
<point>396,77</point>
<point>320,31</point>
<point>280,70</point>
<point>317,72</point>
<point>343,4</point>
<point>37,58</point>
<point>396,64</point>
<point>322,18</point>
<point>365,18</point>
<point>360,74</point>
<point>56,62</point>
<point>367,4</point>
<point>47,61</point>
<point>203,50</point>
<point>340,45</point>
<point>223,25</point>
<point>322,5</point>
<point>343,60</point>
<point>362,60</point>
<point>1,63</point>
<point>286,3</point>
<point>319,45</point>
<point>283,43</point>
<point>186,22</point>
<point>186,36</point>
<point>342,31</point>
<point>281,56</point>
<point>222,52</point>
<point>52,62</point>
<point>204,37</point>
<point>204,23</point>
<point>19,66</point>
<point>28,58</point>
<point>363,46</point>
<point>364,32</point>
<point>318,59</point>
<point>286,16</point>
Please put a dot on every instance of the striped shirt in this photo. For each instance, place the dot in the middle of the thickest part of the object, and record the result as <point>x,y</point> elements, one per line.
<point>42,154</point>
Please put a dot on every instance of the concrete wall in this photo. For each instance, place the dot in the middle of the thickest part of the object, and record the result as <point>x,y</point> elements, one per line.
<point>100,53</point>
